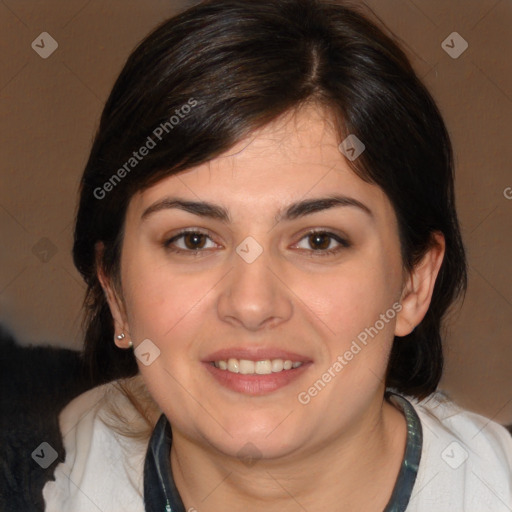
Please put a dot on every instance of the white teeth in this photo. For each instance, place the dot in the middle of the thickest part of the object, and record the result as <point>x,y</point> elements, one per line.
<point>263,367</point>
<point>233,365</point>
<point>277,365</point>
<point>248,367</point>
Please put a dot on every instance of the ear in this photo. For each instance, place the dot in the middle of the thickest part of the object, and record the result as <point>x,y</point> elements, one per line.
<point>419,286</point>
<point>115,302</point>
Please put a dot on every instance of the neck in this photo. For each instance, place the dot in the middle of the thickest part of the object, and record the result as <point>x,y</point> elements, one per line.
<point>355,470</point>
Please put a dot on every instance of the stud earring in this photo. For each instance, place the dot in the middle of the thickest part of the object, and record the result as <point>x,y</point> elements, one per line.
<point>122,337</point>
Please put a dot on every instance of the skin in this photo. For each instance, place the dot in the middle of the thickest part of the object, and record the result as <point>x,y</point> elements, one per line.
<point>342,451</point>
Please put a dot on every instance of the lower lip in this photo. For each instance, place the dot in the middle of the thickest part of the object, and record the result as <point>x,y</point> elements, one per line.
<point>255,385</point>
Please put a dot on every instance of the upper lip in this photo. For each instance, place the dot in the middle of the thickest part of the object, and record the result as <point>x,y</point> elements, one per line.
<point>255,354</point>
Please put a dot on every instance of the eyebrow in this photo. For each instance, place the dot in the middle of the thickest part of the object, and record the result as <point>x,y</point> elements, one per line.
<point>293,211</point>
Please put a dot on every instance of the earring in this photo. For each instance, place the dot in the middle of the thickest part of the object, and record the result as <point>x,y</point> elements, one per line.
<point>122,337</point>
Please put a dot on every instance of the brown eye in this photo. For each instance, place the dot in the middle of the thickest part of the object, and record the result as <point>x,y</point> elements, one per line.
<point>319,243</point>
<point>320,240</point>
<point>194,240</point>
<point>188,241</point>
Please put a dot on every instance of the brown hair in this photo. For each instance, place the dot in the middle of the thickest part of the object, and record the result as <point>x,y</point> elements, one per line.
<point>244,64</point>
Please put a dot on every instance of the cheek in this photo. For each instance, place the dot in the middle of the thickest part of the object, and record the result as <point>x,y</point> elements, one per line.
<point>155,297</point>
<point>159,303</point>
<point>352,297</point>
<point>169,309</point>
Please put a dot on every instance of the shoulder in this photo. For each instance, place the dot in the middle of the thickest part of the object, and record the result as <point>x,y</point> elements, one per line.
<point>481,436</point>
<point>466,459</point>
<point>101,466</point>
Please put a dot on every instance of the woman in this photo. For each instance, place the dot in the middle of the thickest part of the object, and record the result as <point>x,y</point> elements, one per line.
<point>268,235</point>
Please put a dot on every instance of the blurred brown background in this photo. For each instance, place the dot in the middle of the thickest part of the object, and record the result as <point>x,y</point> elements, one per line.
<point>50,108</point>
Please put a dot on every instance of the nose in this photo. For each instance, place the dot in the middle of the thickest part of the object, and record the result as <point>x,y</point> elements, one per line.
<point>254,294</point>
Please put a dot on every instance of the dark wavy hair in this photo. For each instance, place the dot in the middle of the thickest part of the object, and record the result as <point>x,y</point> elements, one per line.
<point>244,64</point>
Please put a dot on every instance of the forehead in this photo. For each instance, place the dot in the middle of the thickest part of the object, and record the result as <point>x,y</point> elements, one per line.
<point>293,158</point>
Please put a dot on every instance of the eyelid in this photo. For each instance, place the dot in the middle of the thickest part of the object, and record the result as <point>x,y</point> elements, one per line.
<point>168,240</point>
<point>342,241</point>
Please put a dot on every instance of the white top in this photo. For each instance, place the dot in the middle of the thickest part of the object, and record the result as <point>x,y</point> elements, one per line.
<point>466,460</point>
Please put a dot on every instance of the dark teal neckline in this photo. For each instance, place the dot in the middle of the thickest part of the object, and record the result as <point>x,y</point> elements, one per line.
<point>404,484</point>
<point>161,494</point>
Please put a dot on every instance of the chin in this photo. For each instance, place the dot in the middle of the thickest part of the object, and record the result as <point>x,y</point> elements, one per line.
<point>256,444</point>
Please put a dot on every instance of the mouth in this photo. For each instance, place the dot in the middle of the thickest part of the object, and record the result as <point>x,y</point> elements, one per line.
<point>255,372</point>
<point>263,367</point>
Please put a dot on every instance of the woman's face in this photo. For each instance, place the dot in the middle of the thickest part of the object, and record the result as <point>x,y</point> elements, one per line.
<point>254,284</point>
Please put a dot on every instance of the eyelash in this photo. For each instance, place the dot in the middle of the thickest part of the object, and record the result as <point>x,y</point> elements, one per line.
<point>343,244</point>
